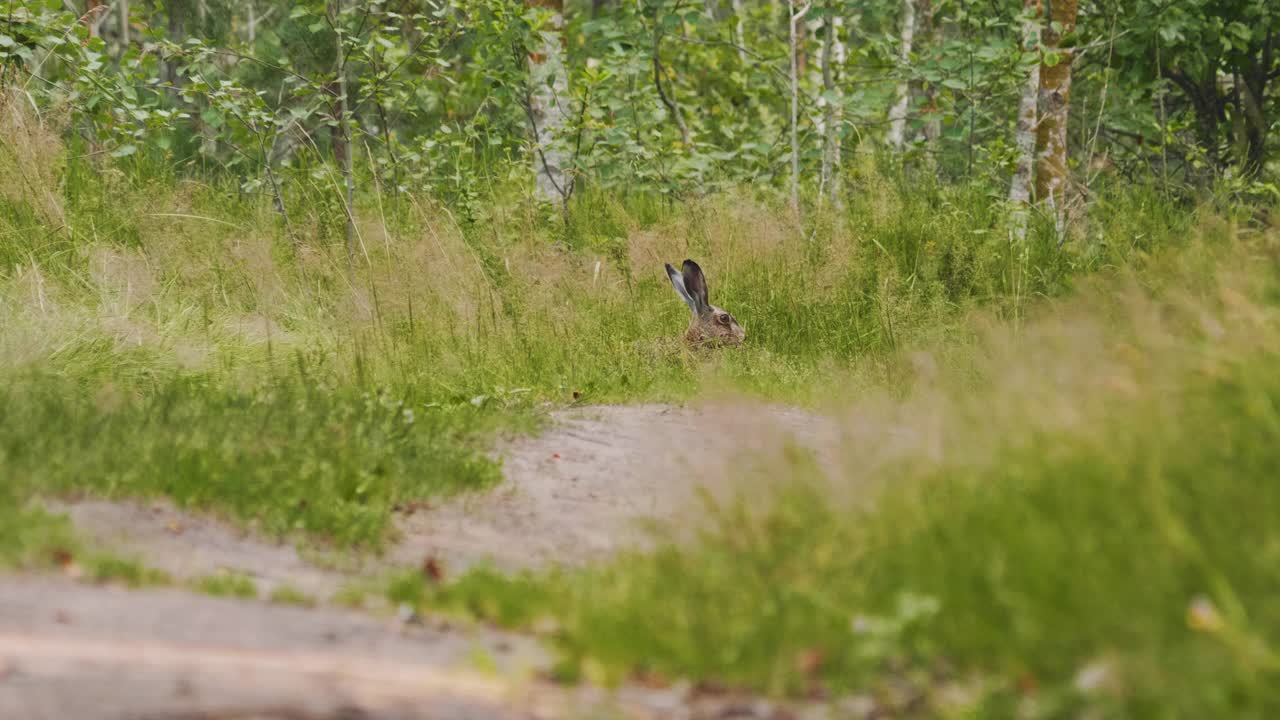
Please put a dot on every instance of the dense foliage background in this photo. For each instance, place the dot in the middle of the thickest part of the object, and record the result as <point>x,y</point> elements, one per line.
<point>670,97</point>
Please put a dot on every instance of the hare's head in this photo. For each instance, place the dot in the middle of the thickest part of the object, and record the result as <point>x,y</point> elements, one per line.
<point>710,325</point>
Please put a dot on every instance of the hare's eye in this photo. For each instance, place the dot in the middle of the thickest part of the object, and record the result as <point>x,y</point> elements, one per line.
<point>724,318</point>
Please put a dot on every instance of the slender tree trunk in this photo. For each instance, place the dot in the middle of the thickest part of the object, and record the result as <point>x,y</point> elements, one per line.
<point>395,160</point>
<point>801,45</point>
<point>1025,137</point>
<point>124,24</point>
<point>932,123</point>
<point>738,37</point>
<point>252,22</point>
<point>1253,111</point>
<point>833,110</point>
<point>898,115</point>
<point>174,33</point>
<point>795,105</point>
<point>93,15</point>
<point>548,108</point>
<point>344,127</point>
<point>276,194</point>
<point>1054,102</point>
<point>818,114</point>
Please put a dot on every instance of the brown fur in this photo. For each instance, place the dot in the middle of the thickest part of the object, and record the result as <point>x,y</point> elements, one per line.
<point>710,326</point>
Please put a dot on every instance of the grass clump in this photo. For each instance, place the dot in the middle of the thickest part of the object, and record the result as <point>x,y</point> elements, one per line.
<point>351,595</point>
<point>514,601</point>
<point>227,584</point>
<point>30,537</point>
<point>289,595</point>
<point>127,571</point>
<point>33,539</point>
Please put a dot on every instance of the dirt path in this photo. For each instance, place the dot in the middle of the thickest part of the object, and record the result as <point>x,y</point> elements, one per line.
<point>188,546</point>
<point>580,491</point>
<point>576,493</point>
<point>69,650</point>
<point>584,489</point>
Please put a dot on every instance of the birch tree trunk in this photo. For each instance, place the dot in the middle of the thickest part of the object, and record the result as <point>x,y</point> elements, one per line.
<point>795,18</point>
<point>344,127</point>
<point>818,113</point>
<point>1054,102</point>
<point>898,115</point>
<point>1025,137</point>
<point>548,108</point>
<point>96,12</point>
<point>175,32</point>
<point>124,24</point>
<point>738,36</point>
<point>932,124</point>
<point>833,107</point>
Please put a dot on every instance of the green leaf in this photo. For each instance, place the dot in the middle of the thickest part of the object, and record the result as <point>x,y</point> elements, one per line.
<point>124,151</point>
<point>211,117</point>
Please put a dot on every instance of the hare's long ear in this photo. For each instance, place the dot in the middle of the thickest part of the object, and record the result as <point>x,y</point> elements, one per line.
<point>677,281</point>
<point>696,284</point>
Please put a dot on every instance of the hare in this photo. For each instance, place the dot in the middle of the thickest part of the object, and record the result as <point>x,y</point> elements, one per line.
<point>710,326</point>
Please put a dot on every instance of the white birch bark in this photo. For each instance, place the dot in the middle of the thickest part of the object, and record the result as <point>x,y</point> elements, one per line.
<point>932,125</point>
<point>1025,137</point>
<point>344,125</point>
<point>795,17</point>
<point>818,113</point>
<point>898,115</point>
<point>738,36</point>
<point>1054,104</point>
<point>833,56</point>
<point>124,24</point>
<point>549,112</point>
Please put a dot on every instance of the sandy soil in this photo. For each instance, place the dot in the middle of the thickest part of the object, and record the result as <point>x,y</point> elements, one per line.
<point>590,485</point>
<point>187,545</point>
<point>69,650</point>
